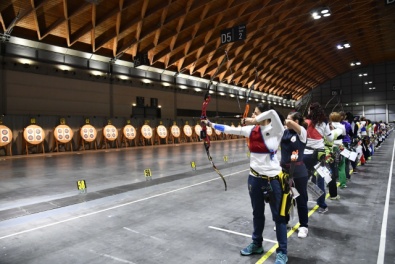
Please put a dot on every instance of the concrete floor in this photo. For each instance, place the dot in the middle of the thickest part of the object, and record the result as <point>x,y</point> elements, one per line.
<point>179,215</point>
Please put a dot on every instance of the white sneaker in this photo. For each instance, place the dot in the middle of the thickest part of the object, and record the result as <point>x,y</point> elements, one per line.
<point>303,231</point>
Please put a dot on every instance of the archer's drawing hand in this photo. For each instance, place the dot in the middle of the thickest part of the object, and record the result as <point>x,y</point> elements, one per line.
<point>248,121</point>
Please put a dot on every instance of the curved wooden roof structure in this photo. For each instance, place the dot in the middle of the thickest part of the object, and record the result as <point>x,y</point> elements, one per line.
<point>291,51</point>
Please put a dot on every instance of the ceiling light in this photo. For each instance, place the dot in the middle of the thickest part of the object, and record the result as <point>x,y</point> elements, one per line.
<point>25,61</point>
<point>198,89</point>
<point>232,95</point>
<point>320,12</point>
<point>362,74</point>
<point>183,87</point>
<point>344,45</point>
<point>123,77</point>
<point>96,73</point>
<point>370,82</point>
<point>355,63</point>
<point>64,68</point>
<point>221,93</point>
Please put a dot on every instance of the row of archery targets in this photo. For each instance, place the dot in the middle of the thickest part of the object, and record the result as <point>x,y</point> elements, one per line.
<point>112,137</point>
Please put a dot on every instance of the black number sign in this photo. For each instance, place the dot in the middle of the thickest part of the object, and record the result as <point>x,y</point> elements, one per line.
<point>233,34</point>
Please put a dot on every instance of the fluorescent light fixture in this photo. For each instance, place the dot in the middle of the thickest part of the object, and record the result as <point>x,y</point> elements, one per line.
<point>146,81</point>
<point>123,77</point>
<point>232,95</point>
<point>96,73</point>
<point>64,68</point>
<point>25,61</point>
<point>166,84</point>
<point>183,87</point>
<point>221,93</point>
<point>197,89</point>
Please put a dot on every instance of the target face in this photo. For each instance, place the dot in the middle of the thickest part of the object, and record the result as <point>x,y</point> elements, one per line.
<point>110,132</point>
<point>146,131</point>
<point>129,132</point>
<point>198,128</point>
<point>209,131</point>
<point>88,133</point>
<point>187,130</point>
<point>175,131</point>
<point>5,135</point>
<point>63,133</point>
<point>34,134</point>
<point>162,131</point>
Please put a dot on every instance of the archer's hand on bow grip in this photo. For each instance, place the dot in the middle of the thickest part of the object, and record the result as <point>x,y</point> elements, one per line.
<point>245,115</point>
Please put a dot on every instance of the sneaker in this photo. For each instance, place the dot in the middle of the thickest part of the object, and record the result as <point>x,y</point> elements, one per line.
<point>322,210</point>
<point>343,186</point>
<point>251,249</point>
<point>303,231</point>
<point>281,258</point>
<point>335,198</point>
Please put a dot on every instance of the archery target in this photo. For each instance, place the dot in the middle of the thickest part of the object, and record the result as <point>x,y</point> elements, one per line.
<point>88,133</point>
<point>5,135</point>
<point>162,131</point>
<point>129,132</point>
<point>146,131</point>
<point>175,131</point>
<point>63,133</point>
<point>110,132</point>
<point>187,130</point>
<point>34,134</point>
<point>209,131</point>
<point>198,128</point>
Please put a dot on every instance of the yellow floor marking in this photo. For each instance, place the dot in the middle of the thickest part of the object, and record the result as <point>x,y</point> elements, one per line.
<point>290,232</point>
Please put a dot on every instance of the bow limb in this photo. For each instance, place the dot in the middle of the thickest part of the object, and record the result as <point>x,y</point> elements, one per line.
<point>247,108</point>
<point>206,139</point>
<point>203,133</point>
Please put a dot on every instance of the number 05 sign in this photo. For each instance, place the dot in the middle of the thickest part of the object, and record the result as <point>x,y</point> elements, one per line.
<point>233,34</point>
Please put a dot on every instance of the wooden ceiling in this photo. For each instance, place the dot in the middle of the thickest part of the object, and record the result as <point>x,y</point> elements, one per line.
<point>291,51</point>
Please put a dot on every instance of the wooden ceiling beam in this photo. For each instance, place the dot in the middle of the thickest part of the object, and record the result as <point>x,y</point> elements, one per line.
<point>93,28</point>
<point>66,16</point>
<point>117,28</point>
<point>2,23</point>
